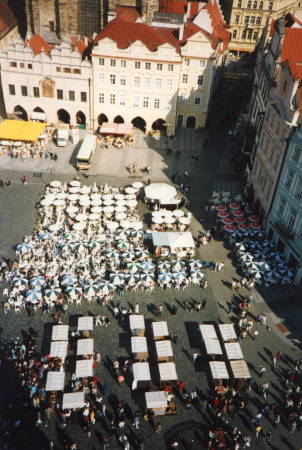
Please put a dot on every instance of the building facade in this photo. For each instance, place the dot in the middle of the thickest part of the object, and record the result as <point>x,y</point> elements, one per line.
<point>285,219</point>
<point>54,82</point>
<point>248,18</point>
<point>281,116</point>
<point>8,26</point>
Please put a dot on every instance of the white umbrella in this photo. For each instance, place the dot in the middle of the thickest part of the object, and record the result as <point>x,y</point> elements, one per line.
<point>158,220</point>
<point>125,224</point>
<point>96,202</point>
<point>184,220</point>
<point>112,225</point>
<point>54,227</point>
<point>130,196</point>
<point>96,196</point>
<point>108,209</point>
<point>74,183</point>
<point>84,200</point>
<point>263,265</point>
<point>24,248</point>
<point>169,219</point>
<point>240,246</point>
<point>131,203</point>
<point>179,276</point>
<point>166,265</point>
<point>116,278</point>
<point>33,294</point>
<point>128,256</point>
<point>59,202</point>
<point>96,209</point>
<point>107,197</point>
<point>252,265</point>
<point>81,217</point>
<point>111,254</point>
<point>46,202</point>
<point>106,287</point>
<point>137,185</point>
<point>132,266</point>
<point>147,277</point>
<point>137,225</point>
<point>74,190</point>
<point>141,253</point>
<point>68,279</point>
<point>247,257</point>
<point>85,190</point>
<point>146,266</point>
<point>120,216</point>
<point>254,273</point>
<point>197,274</point>
<point>119,196</point>
<point>93,216</point>
<point>73,197</point>
<point>37,281</point>
<point>131,278</point>
<point>178,213</point>
<point>108,202</point>
<point>130,190</point>
<point>90,289</point>
<point>61,195</point>
<point>164,277</point>
<point>19,281</point>
<point>79,226</point>
<point>73,291</point>
<point>194,264</point>
<point>55,183</point>
<point>52,293</point>
<point>120,209</point>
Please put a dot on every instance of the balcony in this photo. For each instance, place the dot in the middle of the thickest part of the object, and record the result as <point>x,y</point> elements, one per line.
<point>284,231</point>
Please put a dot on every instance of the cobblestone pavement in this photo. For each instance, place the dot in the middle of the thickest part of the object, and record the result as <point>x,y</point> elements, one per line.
<point>18,217</point>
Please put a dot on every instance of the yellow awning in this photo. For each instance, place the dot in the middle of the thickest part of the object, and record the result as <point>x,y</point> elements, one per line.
<point>19,130</point>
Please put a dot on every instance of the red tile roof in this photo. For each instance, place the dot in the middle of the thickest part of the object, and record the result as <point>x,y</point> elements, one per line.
<point>127,13</point>
<point>180,7</point>
<point>38,44</point>
<point>220,33</point>
<point>7,19</point>
<point>292,51</point>
<point>81,46</point>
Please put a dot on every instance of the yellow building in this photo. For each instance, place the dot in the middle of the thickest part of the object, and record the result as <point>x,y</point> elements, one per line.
<point>249,17</point>
<point>157,76</point>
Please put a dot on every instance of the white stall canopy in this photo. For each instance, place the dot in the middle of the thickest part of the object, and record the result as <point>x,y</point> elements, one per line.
<point>139,345</point>
<point>35,115</point>
<point>208,332</point>
<point>164,348</point>
<point>173,239</point>
<point>85,347</point>
<point>213,347</point>
<point>165,194</point>
<point>74,400</point>
<point>157,399</point>
<point>160,329</point>
<point>84,368</point>
<point>167,371</point>
<point>60,333</point>
<point>240,369</point>
<point>227,331</point>
<point>137,322</point>
<point>58,349</point>
<point>55,381</point>
<point>141,371</point>
<point>233,350</point>
<point>219,370</point>
<point>85,323</point>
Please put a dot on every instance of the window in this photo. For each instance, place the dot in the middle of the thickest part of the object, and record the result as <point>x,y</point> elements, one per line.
<point>122,100</point>
<point>249,4</point>
<point>261,5</point>
<point>158,83</point>
<point>145,102</point>
<point>136,82</point>
<point>58,69</point>
<point>185,78</point>
<point>296,154</point>
<point>169,84</point>
<point>24,91</point>
<point>102,97</point>
<point>135,101</point>
<point>187,62</point>
<point>270,6</point>
<point>60,94</point>
<point>112,62</point>
<point>71,96</point>
<point>12,64</point>
<point>22,65</point>
<point>170,67</point>
<point>167,103</point>
<point>83,96</point>
<point>156,103</point>
<point>67,70</point>
<point>289,179</point>
<point>202,63</point>
<point>197,99</point>
<point>237,18</point>
<point>11,89</point>
<point>29,66</point>
<point>246,19</point>
<point>249,34</point>
<point>252,20</point>
<point>239,3</point>
<point>298,191</point>
<point>112,99</point>
<point>77,71</point>
<point>199,80</point>
<point>148,66</point>
<point>234,34</point>
<point>147,83</point>
<point>137,64</point>
<point>255,4</point>
<point>159,66</point>
<point>112,79</point>
<point>292,220</point>
<point>255,35</point>
<point>243,34</point>
<point>123,80</point>
<point>281,206</point>
<point>181,98</point>
<point>51,26</point>
<point>123,63</point>
<point>258,20</point>
<point>101,61</point>
<point>101,79</point>
<point>36,91</point>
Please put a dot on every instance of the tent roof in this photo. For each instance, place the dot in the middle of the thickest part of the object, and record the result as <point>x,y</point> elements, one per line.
<point>164,348</point>
<point>85,347</point>
<point>240,369</point>
<point>157,399</point>
<point>141,371</point>
<point>213,347</point>
<point>19,130</point>
<point>208,331</point>
<point>58,349</point>
<point>85,323</point>
<point>60,333</point>
<point>160,329</point>
<point>173,239</point>
<point>167,371</point>
<point>219,370</point>
<point>139,344</point>
<point>55,381</point>
<point>227,331</point>
<point>137,322</point>
<point>233,350</point>
<point>164,193</point>
<point>74,400</point>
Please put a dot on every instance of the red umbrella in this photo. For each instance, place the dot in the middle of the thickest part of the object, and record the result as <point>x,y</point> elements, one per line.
<point>256,226</point>
<point>230,227</point>
<point>223,214</point>
<point>234,206</point>
<point>240,220</point>
<point>227,221</point>
<point>243,226</point>
<point>254,218</point>
<point>238,213</point>
<point>221,208</point>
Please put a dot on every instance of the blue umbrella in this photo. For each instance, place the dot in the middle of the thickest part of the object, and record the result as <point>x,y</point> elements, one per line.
<point>164,277</point>
<point>19,281</point>
<point>146,266</point>
<point>24,248</point>
<point>179,276</point>
<point>45,236</point>
<point>33,294</point>
<point>37,281</point>
<point>69,279</point>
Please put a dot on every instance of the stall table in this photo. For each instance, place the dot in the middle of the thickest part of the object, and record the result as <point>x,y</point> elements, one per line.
<point>208,332</point>
<point>139,348</point>
<point>137,324</point>
<point>157,401</point>
<point>85,347</point>
<point>60,333</point>
<point>227,332</point>
<point>212,347</point>
<point>219,370</point>
<point>167,372</point>
<point>164,351</point>
<point>240,369</point>
<point>141,375</point>
<point>160,330</point>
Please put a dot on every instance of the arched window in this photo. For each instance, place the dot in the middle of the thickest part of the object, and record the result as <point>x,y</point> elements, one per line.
<point>270,6</point>
<point>255,4</point>
<point>249,4</point>
<point>261,5</point>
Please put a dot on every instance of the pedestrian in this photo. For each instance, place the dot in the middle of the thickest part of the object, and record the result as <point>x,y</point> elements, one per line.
<point>262,370</point>
<point>175,337</point>
<point>231,309</point>
<point>257,430</point>
<point>255,334</point>
<point>268,435</point>
<point>293,427</point>
<point>276,419</point>
<point>136,308</point>
<point>136,421</point>
<point>174,310</point>
<point>195,355</point>
<point>98,320</point>
<point>116,311</point>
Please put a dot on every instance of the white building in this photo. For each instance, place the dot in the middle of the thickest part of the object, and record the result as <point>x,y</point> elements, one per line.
<point>51,81</point>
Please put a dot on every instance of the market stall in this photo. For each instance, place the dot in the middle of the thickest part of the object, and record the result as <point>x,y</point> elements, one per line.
<point>220,376</point>
<point>233,350</point>
<point>162,195</point>
<point>227,332</point>
<point>160,403</point>
<point>84,368</point>
<point>137,324</point>
<point>85,323</point>
<point>55,381</point>
<point>139,348</point>
<point>160,330</point>
<point>208,331</point>
<point>60,333</point>
<point>164,351</point>
<point>85,347</point>
<point>213,347</point>
<point>73,400</point>
<point>141,375</point>
<point>167,374</point>
<point>240,369</point>
<point>58,349</point>
<point>173,243</point>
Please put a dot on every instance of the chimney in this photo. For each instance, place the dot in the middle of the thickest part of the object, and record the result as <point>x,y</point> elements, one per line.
<point>181,32</point>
